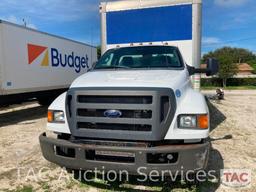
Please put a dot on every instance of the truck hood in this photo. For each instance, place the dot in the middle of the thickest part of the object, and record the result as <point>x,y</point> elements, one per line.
<point>132,78</point>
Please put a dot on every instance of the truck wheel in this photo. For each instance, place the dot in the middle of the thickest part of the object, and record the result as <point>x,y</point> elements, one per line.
<point>45,101</point>
<point>76,174</point>
<point>80,175</point>
<point>193,180</point>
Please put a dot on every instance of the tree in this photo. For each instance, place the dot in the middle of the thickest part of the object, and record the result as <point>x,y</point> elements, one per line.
<point>227,68</point>
<point>98,51</point>
<point>238,55</point>
<point>253,64</point>
<point>228,58</point>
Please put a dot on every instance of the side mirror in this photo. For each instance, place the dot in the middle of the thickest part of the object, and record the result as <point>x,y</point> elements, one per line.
<point>212,67</point>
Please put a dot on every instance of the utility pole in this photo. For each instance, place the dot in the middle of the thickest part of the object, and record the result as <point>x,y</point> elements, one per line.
<point>24,22</point>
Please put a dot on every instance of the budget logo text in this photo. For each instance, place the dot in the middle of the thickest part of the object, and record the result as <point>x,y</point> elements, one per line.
<point>57,58</point>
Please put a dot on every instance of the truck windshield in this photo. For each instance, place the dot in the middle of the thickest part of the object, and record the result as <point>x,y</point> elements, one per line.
<point>141,57</point>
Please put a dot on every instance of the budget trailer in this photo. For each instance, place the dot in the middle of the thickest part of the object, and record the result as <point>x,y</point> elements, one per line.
<point>140,110</point>
<point>35,64</point>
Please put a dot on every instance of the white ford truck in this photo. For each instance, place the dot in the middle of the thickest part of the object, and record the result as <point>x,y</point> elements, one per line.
<point>136,107</point>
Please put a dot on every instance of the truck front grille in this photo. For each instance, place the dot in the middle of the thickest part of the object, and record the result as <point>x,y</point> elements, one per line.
<point>145,113</point>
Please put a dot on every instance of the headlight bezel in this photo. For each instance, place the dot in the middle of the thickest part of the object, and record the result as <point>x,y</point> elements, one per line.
<point>56,116</point>
<point>202,121</point>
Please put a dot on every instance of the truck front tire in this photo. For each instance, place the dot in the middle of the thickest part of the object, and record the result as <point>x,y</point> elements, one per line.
<point>45,101</point>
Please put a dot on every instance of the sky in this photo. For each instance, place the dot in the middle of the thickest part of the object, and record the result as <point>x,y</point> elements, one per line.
<point>225,22</point>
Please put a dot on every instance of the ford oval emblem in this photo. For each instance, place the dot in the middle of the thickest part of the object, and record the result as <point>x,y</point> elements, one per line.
<point>178,93</point>
<point>113,113</point>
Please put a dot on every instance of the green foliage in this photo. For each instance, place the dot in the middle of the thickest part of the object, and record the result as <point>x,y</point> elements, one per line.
<point>253,64</point>
<point>217,82</point>
<point>23,189</point>
<point>227,67</point>
<point>231,88</point>
<point>238,55</point>
<point>228,58</point>
<point>98,51</point>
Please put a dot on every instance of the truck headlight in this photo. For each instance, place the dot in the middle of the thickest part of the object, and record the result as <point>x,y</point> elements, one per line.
<point>193,121</point>
<point>56,116</point>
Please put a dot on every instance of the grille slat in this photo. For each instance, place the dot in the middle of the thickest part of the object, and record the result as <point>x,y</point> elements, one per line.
<point>136,114</point>
<point>115,99</point>
<point>113,120</point>
<point>121,127</point>
<point>114,106</point>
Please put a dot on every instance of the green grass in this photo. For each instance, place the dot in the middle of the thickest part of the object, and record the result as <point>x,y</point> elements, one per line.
<point>45,186</point>
<point>231,88</point>
<point>105,186</point>
<point>24,189</point>
<point>178,186</point>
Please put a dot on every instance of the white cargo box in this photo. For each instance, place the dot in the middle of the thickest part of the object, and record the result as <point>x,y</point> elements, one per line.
<point>150,22</point>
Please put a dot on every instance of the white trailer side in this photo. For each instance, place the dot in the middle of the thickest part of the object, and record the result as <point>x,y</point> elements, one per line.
<point>33,61</point>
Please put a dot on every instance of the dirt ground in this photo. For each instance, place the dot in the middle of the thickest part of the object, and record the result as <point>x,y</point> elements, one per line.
<point>23,169</point>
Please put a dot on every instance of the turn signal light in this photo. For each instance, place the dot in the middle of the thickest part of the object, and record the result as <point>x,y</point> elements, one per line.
<point>50,116</point>
<point>203,121</point>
